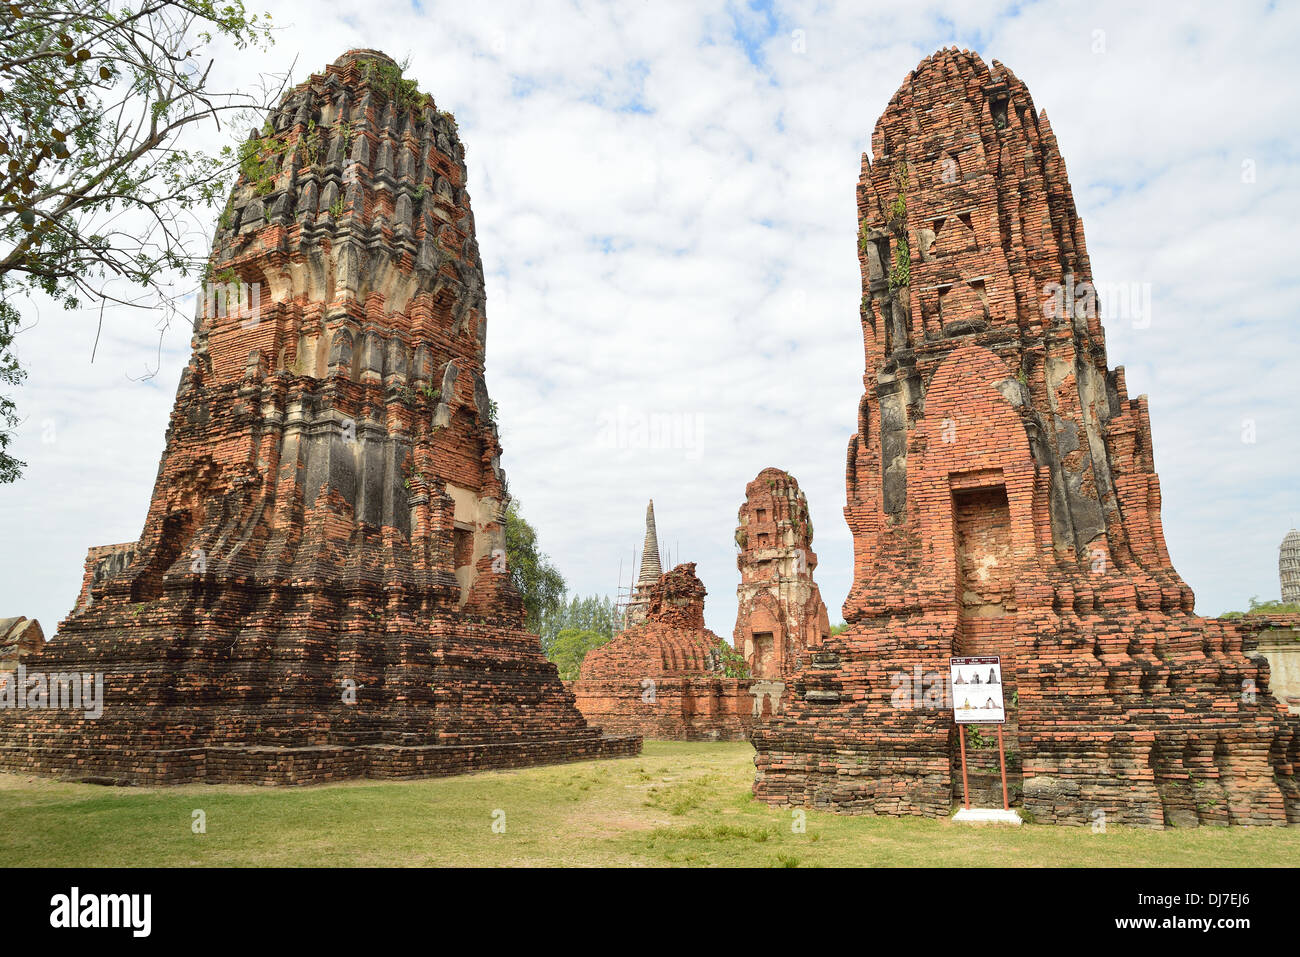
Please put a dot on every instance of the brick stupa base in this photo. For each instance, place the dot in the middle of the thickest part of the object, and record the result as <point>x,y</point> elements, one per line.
<point>1003,500</point>
<point>320,590</point>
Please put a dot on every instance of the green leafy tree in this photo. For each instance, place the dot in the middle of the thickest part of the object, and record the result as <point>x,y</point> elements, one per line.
<point>596,613</point>
<point>538,582</point>
<point>836,629</point>
<point>570,647</point>
<point>95,175</point>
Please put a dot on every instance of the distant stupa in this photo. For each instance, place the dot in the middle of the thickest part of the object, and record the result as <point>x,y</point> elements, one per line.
<point>1288,566</point>
<point>651,570</point>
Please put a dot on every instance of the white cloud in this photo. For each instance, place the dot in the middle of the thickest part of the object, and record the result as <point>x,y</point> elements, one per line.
<point>667,220</point>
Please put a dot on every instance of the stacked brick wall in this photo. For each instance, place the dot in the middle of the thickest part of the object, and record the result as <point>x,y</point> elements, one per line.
<point>1003,500</point>
<point>320,589</point>
<point>664,678</point>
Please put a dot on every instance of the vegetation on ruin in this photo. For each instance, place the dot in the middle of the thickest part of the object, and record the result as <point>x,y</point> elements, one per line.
<point>389,79</point>
<point>731,662</point>
<point>258,160</point>
<point>1272,607</point>
<point>677,804</point>
<point>95,177</point>
<point>312,142</point>
<point>901,273</point>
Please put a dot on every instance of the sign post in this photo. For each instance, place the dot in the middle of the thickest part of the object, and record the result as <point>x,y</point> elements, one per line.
<point>977,699</point>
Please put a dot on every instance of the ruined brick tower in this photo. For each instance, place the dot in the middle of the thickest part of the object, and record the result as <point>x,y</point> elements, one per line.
<point>780,616</point>
<point>1003,500</point>
<point>666,677</point>
<point>320,588</point>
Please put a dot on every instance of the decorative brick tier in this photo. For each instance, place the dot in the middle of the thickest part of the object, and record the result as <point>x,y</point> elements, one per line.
<point>320,589</point>
<point>663,678</point>
<point>1003,500</point>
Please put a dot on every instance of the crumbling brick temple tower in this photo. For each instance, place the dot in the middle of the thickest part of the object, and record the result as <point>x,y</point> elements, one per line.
<point>666,677</point>
<point>780,616</point>
<point>1003,500</point>
<point>320,589</point>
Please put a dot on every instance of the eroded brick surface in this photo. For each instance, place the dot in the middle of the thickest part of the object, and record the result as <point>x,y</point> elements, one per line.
<point>662,678</point>
<point>327,515</point>
<point>780,616</point>
<point>1003,500</point>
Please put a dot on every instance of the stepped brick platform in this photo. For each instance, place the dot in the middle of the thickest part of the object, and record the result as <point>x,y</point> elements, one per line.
<point>320,590</point>
<point>1003,500</point>
<point>780,616</point>
<point>665,678</point>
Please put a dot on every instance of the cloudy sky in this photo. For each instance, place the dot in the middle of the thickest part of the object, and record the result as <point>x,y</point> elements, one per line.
<point>664,196</point>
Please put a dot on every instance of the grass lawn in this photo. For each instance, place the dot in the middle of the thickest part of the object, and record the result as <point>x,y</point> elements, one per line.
<point>677,804</point>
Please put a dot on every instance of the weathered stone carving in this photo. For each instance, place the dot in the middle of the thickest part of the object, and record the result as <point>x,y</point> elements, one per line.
<point>1003,500</point>
<point>320,588</point>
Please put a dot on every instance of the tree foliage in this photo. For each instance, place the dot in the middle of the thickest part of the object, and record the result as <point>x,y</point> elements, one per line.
<point>538,582</point>
<point>568,627</point>
<point>570,648</point>
<point>95,171</point>
<point>594,613</point>
<point>731,662</point>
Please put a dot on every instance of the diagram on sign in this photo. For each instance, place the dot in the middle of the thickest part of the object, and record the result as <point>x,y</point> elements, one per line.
<point>977,691</point>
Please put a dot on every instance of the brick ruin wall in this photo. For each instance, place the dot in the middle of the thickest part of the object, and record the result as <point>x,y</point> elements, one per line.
<point>1003,500</point>
<point>317,591</point>
<point>663,678</point>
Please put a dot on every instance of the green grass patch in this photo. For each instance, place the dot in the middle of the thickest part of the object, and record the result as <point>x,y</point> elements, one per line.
<point>678,804</point>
